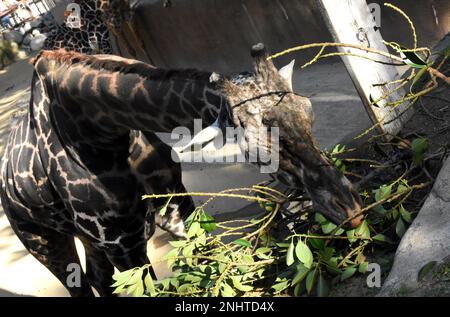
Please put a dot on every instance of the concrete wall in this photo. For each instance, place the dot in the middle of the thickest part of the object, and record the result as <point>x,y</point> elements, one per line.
<point>217,34</point>
<point>58,10</point>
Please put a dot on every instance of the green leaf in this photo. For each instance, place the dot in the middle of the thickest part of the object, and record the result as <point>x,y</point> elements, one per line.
<point>328,227</point>
<point>338,149</point>
<point>208,222</point>
<point>137,276</point>
<point>190,218</point>
<point>243,243</point>
<point>446,52</point>
<point>227,291</point>
<point>282,244</point>
<point>171,257</point>
<point>311,280</point>
<point>260,272</point>
<point>382,238</point>
<point>223,259</point>
<point>247,259</point>
<point>290,254</point>
<point>332,266</point>
<point>188,252</point>
<point>400,228</point>
<point>280,286</point>
<point>351,236</point>
<point>163,211</point>
<point>148,281</point>
<point>165,283</point>
<point>380,210</point>
<point>302,271</point>
<point>402,187</point>
<point>206,283</point>
<point>304,254</point>
<point>184,288</point>
<point>318,244</point>
<point>238,285</point>
<point>122,277</point>
<point>394,213</point>
<point>179,243</point>
<point>200,240</point>
<point>139,290</point>
<point>348,272</point>
<point>339,232</point>
<point>383,192</point>
<point>326,253</point>
<point>194,229</point>
<point>248,276</point>
<point>419,147</point>
<point>363,267</point>
<point>174,282</point>
<point>261,253</point>
<point>120,289</point>
<point>193,278</point>
<point>372,101</point>
<point>426,269</point>
<point>322,287</point>
<point>360,258</point>
<point>320,218</point>
<point>363,230</point>
<point>299,289</point>
<point>419,75</point>
<point>132,288</point>
<point>406,215</point>
<point>412,59</point>
<point>269,206</point>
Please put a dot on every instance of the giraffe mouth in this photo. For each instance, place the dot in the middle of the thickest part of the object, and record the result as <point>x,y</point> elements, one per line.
<point>339,210</point>
<point>333,197</point>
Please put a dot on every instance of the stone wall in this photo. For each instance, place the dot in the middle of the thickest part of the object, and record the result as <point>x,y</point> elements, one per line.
<point>217,34</point>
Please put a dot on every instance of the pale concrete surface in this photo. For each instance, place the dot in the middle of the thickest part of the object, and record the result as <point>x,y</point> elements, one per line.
<point>427,239</point>
<point>338,113</point>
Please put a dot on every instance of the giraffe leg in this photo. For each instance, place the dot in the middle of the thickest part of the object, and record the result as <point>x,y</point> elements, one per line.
<point>99,269</point>
<point>57,252</point>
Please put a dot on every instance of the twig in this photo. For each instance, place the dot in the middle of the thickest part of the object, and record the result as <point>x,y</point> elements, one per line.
<point>428,113</point>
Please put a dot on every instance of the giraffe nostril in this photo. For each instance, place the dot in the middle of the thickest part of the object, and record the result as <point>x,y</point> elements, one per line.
<point>355,210</point>
<point>356,221</point>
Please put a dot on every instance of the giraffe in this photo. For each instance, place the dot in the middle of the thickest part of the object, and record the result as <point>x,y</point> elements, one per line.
<point>71,168</point>
<point>98,18</point>
<point>91,38</point>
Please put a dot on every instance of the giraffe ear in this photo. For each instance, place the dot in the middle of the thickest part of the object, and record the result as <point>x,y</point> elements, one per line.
<point>286,72</point>
<point>205,136</point>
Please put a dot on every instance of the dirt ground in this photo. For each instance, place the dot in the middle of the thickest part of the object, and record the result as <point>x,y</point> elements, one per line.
<point>432,117</point>
<point>14,89</point>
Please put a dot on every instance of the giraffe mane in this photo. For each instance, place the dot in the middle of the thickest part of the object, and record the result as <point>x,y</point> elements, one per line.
<point>124,67</point>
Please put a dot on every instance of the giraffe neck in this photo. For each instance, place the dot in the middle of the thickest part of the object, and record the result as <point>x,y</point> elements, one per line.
<point>99,99</point>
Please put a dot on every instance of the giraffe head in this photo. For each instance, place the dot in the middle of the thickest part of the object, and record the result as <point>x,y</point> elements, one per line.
<point>266,99</point>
